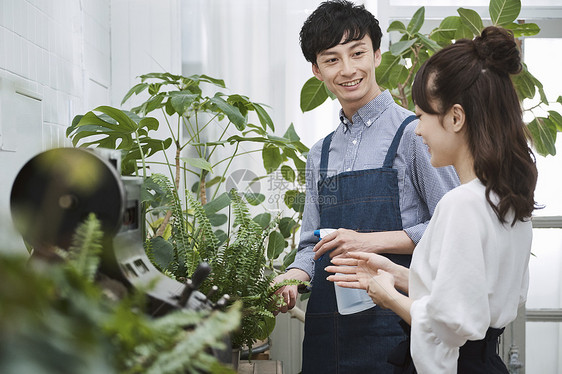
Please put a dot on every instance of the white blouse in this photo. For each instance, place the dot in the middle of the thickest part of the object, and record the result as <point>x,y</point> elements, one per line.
<point>469,272</point>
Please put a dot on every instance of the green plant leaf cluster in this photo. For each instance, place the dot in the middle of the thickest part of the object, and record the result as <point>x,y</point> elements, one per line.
<point>241,266</point>
<point>404,58</point>
<point>185,211</point>
<point>56,318</point>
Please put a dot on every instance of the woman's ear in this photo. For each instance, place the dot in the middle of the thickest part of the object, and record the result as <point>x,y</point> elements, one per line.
<point>459,117</point>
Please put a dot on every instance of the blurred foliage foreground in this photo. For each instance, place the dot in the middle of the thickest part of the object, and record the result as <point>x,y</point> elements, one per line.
<point>56,318</point>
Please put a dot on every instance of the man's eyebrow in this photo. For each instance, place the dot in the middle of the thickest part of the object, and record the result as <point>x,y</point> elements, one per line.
<point>352,44</point>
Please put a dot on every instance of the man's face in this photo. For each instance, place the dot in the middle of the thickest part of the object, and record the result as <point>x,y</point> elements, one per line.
<point>348,70</point>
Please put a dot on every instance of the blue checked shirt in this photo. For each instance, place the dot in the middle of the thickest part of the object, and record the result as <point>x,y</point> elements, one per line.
<point>363,144</point>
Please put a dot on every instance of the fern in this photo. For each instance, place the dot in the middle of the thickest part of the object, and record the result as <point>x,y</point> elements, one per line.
<point>83,254</point>
<point>181,239</point>
<point>207,242</point>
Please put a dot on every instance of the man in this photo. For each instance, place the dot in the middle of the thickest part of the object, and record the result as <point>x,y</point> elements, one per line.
<point>371,179</point>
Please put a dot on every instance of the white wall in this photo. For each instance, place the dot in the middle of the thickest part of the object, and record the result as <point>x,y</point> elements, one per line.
<point>60,58</point>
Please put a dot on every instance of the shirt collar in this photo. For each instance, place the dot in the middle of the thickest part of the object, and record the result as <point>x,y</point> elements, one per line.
<point>370,112</point>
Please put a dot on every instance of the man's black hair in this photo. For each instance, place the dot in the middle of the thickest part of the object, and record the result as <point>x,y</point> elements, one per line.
<point>331,21</point>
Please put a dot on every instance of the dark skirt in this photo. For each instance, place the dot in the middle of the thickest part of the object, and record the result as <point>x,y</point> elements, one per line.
<point>475,356</point>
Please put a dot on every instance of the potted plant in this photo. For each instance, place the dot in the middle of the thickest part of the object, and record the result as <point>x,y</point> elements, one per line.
<point>185,210</point>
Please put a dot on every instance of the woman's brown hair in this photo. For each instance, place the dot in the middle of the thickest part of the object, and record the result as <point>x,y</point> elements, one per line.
<point>476,75</point>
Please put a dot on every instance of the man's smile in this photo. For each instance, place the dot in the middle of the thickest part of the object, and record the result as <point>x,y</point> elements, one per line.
<point>351,83</point>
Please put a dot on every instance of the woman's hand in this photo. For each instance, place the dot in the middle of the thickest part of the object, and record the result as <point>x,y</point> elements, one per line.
<point>357,268</point>
<point>381,289</point>
<point>378,276</point>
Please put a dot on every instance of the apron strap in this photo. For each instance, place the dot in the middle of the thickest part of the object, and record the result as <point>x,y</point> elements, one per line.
<point>391,155</point>
<point>324,155</point>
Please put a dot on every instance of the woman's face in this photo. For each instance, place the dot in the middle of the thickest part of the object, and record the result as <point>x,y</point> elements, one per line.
<point>440,135</point>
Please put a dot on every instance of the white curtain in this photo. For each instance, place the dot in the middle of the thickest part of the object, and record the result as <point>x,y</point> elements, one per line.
<point>254,46</point>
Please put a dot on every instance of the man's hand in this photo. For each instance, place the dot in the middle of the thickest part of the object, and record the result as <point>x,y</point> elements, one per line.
<point>290,292</point>
<point>344,241</point>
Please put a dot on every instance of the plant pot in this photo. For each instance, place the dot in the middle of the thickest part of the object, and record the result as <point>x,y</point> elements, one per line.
<point>235,358</point>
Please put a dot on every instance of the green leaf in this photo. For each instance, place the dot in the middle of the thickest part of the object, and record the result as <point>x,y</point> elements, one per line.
<point>162,252</point>
<point>263,220</point>
<point>556,118</point>
<point>276,245</point>
<point>540,89</point>
<point>218,203</point>
<point>264,117</point>
<point>208,79</point>
<point>504,12</point>
<point>286,226</point>
<point>155,102</point>
<point>136,89</point>
<point>182,100</point>
<point>543,131</point>
<point>328,92</point>
<point>291,134</point>
<point>524,84</point>
<point>523,29</point>
<point>463,32</point>
<point>445,33</point>
<point>428,43</point>
<point>288,173</point>
<point>471,19</point>
<point>124,121</point>
<point>217,219</point>
<point>198,162</point>
<point>295,200</point>
<point>398,48</point>
<point>254,198</point>
<point>397,75</point>
<point>150,123</point>
<point>221,236</point>
<point>417,21</point>
<point>272,158</point>
<point>107,134</point>
<point>289,258</point>
<point>396,26</point>
<point>559,100</point>
<point>232,112</point>
<point>313,94</point>
<point>388,61</point>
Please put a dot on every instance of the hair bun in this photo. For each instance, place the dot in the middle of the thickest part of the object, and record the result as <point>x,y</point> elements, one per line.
<point>497,48</point>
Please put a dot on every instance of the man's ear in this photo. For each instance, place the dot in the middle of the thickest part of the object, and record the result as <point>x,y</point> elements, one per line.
<point>459,117</point>
<point>316,72</point>
<point>378,57</point>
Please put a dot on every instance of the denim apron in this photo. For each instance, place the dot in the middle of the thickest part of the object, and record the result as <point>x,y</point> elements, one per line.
<point>364,201</point>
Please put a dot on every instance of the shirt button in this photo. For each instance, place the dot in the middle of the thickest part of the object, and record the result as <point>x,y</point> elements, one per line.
<point>348,169</point>
<point>354,141</point>
<point>369,122</point>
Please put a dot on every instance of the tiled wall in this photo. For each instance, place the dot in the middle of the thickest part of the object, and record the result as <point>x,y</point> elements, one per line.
<point>59,49</point>
<point>60,58</point>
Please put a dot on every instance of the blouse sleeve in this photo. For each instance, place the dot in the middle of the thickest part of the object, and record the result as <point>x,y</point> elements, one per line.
<point>457,307</point>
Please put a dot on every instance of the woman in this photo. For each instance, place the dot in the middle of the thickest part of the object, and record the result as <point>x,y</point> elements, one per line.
<point>469,273</point>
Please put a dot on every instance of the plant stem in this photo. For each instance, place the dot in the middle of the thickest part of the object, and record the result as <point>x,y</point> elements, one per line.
<point>225,170</point>
<point>164,224</point>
